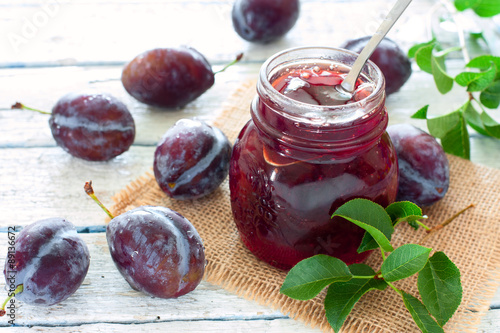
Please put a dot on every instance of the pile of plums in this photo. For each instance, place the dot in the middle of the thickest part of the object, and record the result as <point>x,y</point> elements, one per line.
<point>156,249</point>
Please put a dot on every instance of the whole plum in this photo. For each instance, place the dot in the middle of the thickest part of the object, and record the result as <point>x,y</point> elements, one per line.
<point>49,260</point>
<point>157,250</point>
<point>389,57</point>
<point>191,160</point>
<point>424,174</point>
<point>168,77</point>
<point>264,21</point>
<point>94,127</point>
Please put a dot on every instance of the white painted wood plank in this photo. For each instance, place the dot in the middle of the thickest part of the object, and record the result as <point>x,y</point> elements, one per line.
<point>491,322</point>
<point>231,326</point>
<point>105,297</point>
<point>47,182</point>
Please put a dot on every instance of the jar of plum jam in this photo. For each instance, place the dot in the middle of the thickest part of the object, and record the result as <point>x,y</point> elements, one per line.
<point>304,154</point>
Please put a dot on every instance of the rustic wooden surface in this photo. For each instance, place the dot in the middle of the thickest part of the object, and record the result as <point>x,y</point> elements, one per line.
<point>53,47</point>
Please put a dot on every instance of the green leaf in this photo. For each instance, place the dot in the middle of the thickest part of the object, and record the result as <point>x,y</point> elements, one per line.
<point>483,8</point>
<point>491,126</point>
<point>440,126</point>
<point>476,81</point>
<point>405,211</point>
<point>456,141</point>
<point>465,78</point>
<point>367,243</point>
<point>482,123</point>
<point>420,315</point>
<point>421,113</point>
<point>423,58</point>
<point>342,296</point>
<point>405,261</point>
<point>490,97</point>
<point>462,5</point>
<point>413,50</point>
<point>440,287</point>
<point>487,8</point>
<point>473,118</point>
<point>370,216</point>
<point>479,39</point>
<point>443,81</point>
<point>452,130</point>
<point>306,279</point>
<point>483,62</point>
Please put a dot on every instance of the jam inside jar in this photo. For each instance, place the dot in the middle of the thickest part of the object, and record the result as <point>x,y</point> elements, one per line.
<point>303,154</point>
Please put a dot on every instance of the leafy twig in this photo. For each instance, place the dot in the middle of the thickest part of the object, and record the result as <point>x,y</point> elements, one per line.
<point>441,293</point>
<point>481,75</point>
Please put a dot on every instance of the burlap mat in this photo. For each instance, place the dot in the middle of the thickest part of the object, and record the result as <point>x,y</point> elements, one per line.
<point>472,242</point>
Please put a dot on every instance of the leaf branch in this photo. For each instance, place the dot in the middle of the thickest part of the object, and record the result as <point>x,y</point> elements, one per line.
<point>438,227</point>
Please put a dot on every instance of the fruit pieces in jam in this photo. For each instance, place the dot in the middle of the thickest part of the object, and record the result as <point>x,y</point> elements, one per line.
<point>315,84</point>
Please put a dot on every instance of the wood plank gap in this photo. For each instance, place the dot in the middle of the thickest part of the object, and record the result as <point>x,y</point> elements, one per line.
<point>272,317</point>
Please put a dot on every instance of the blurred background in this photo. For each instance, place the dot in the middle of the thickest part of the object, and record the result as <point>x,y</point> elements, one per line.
<point>90,32</point>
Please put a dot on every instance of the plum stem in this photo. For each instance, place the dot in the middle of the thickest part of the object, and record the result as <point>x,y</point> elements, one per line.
<point>21,106</point>
<point>18,290</point>
<point>445,223</point>
<point>90,191</point>
<point>238,58</point>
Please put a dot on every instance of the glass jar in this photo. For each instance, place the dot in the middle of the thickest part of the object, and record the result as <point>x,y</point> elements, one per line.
<point>295,163</point>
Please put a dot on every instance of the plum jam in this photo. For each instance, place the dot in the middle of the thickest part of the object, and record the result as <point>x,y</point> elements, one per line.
<point>303,154</point>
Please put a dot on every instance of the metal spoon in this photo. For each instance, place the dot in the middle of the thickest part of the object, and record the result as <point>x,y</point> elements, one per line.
<point>345,90</point>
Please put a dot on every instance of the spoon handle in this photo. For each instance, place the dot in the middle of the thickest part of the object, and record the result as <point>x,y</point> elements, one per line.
<point>391,18</point>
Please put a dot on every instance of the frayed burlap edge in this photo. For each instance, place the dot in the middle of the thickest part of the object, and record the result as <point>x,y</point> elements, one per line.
<point>471,241</point>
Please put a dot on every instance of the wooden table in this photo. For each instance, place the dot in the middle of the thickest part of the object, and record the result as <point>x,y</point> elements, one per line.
<point>51,47</point>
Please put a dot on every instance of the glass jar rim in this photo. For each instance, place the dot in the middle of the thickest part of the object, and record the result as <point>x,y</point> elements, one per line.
<point>301,109</point>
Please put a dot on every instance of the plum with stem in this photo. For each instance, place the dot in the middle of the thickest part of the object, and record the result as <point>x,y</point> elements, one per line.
<point>90,126</point>
<point>169,77</point>
<point>156,250</point>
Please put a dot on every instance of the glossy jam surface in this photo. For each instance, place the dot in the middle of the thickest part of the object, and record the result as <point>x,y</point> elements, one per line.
<point>315,85</point>
<point>283,195</point>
